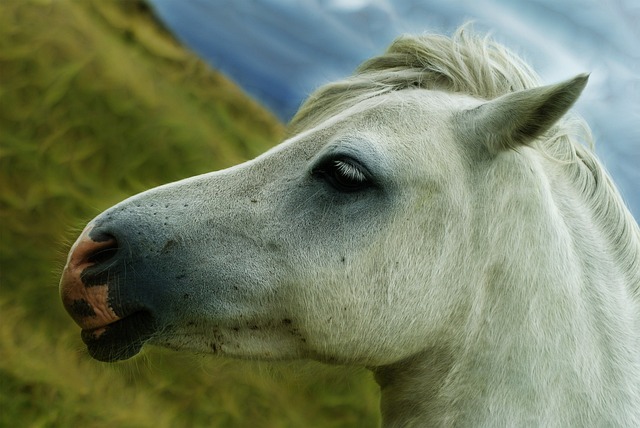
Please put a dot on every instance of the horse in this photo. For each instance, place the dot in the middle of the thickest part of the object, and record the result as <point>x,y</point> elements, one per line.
<point>438,217</point>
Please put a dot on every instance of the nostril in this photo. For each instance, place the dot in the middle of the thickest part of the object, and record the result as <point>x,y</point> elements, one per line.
<point>87,279</point>
<point>95,258</point>
<point>97,235</point>
<point>103,248</point>
<point>103,254</point>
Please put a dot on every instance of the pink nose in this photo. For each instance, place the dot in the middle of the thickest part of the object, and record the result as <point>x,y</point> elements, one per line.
<point>87,301</point>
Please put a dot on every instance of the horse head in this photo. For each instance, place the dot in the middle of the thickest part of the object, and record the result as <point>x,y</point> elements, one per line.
<point>403,217</point>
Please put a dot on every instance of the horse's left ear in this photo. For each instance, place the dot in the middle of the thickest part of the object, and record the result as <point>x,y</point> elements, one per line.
<point>518,118</point>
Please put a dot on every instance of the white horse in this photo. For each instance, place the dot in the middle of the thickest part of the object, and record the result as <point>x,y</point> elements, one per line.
<point>433,218</point>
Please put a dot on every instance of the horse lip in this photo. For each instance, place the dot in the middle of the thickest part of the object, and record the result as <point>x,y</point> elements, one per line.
<point>121,339</point>
<point>95,332</point>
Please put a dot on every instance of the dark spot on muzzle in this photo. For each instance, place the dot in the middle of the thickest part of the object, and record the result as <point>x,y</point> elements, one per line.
<point>168,246</point>
<point>81,308</point>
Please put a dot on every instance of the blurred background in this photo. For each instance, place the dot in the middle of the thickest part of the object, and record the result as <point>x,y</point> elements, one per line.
<point>102,99</point>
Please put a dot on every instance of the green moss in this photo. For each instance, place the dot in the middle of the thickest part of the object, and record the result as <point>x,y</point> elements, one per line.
<point>98,102</point>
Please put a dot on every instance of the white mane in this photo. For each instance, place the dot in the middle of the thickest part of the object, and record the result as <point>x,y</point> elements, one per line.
<point>463,63</point>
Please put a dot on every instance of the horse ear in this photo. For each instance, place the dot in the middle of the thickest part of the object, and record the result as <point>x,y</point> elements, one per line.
<point>518,118</point>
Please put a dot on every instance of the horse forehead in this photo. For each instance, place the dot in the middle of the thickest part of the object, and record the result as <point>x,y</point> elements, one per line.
<point>400,122</point>
<point>413,128</point>
<point>406,111</point>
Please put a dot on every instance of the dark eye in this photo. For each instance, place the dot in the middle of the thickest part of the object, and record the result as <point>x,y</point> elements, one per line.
<point>344,174</point>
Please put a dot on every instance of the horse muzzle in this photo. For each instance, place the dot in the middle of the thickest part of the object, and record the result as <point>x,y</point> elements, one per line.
<point>114,324</point>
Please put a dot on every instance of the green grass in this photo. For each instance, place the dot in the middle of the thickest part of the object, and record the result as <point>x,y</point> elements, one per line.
<point>97,102</point>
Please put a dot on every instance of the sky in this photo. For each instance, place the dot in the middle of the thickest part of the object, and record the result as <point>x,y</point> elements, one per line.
<point>279,51</point>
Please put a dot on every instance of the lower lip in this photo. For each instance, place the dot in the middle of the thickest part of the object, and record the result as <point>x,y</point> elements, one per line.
<point>120,340</point>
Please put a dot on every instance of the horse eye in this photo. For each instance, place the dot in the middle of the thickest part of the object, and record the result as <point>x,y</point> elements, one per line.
<point>345,175</point>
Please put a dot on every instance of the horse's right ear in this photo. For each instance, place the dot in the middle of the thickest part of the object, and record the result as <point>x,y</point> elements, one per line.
<point>518,118</point>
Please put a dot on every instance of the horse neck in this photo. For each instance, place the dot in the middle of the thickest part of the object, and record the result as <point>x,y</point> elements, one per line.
<point>550,334</point>
<point>609,216</point>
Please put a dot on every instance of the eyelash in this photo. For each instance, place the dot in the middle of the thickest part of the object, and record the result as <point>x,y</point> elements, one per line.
<point>345,175</point>
<point>349,171</point>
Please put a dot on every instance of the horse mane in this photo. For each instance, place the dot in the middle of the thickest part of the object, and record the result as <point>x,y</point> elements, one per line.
<point>465,63</point>
<point>480,67</point>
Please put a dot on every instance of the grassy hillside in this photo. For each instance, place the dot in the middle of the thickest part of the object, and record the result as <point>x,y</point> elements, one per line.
<point>97,102</point>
